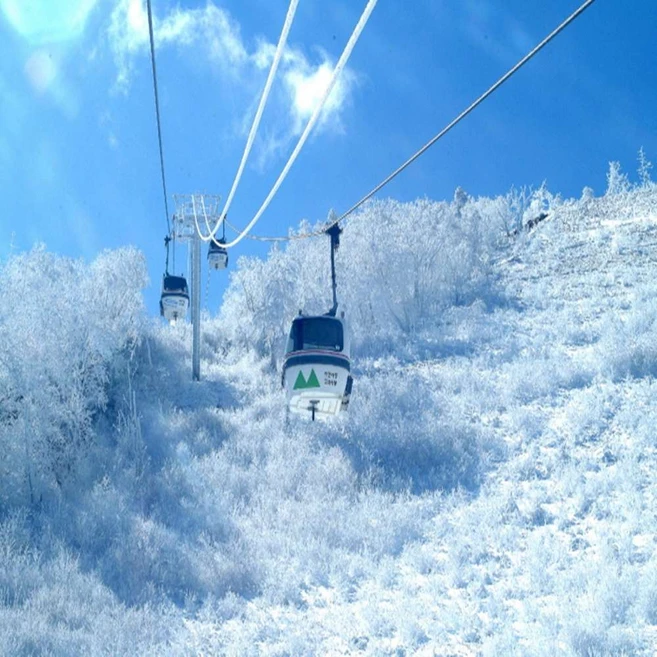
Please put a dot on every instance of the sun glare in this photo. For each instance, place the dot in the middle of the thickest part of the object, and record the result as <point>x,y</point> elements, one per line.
<point>308,90</point>
<point>43,21</point>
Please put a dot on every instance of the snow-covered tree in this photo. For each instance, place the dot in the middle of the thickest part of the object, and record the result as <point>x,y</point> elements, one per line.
<point>645,167</point>
<point>617,182</point>
<point>64,325</point>
<point>399,264</point>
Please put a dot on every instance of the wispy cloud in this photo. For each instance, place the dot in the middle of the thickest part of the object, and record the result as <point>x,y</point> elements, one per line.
<point>211,28</point>
<point>106,122</point>
<point>216,36</point>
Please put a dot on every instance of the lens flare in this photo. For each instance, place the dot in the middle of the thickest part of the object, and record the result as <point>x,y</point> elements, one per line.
<point>47,21</point>
<point>41,71</point>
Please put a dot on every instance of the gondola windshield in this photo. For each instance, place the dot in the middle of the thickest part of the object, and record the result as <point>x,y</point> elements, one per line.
<point>316,333</point>
<point>175,284</point>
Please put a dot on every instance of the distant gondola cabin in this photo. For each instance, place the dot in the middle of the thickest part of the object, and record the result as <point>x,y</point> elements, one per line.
<point>217,254</point>
<point>174,301</point>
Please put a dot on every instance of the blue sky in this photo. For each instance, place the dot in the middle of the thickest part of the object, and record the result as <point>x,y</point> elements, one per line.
<point>79,166</point>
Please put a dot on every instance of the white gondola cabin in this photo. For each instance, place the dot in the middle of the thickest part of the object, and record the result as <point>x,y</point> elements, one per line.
<point>175,298</point>
<point>217,254</point>
<point>316,368</point>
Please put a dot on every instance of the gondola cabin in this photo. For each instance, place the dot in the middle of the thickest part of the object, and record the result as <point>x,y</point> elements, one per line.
<point>217,255</point>
<point>316,368</point>
<point>175,298</point>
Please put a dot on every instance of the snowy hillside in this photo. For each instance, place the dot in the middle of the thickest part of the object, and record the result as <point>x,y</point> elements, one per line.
<point>492,491</point>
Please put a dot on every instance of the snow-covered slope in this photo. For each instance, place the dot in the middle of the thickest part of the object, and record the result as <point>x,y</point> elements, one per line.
<point>492,491</point>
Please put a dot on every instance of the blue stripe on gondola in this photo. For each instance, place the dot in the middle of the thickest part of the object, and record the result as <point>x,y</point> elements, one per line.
<point>317,359</point>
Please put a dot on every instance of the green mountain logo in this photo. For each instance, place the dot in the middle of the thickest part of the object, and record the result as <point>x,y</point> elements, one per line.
<point>301,383</point>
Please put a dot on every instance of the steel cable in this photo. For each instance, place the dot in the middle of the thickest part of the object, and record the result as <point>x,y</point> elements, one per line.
<point>258,116</point>
<point>434,139</point>
<point>157,113</point>
<point>369,8</point>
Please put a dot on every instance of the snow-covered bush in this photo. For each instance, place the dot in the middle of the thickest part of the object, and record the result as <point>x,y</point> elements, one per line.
<point>629,345</point>
<point>50,606</point>
<point>63,326</point>
<point>407,436</point>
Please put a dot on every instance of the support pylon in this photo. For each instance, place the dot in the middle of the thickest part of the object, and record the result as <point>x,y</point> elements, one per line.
<point>191,208</point>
